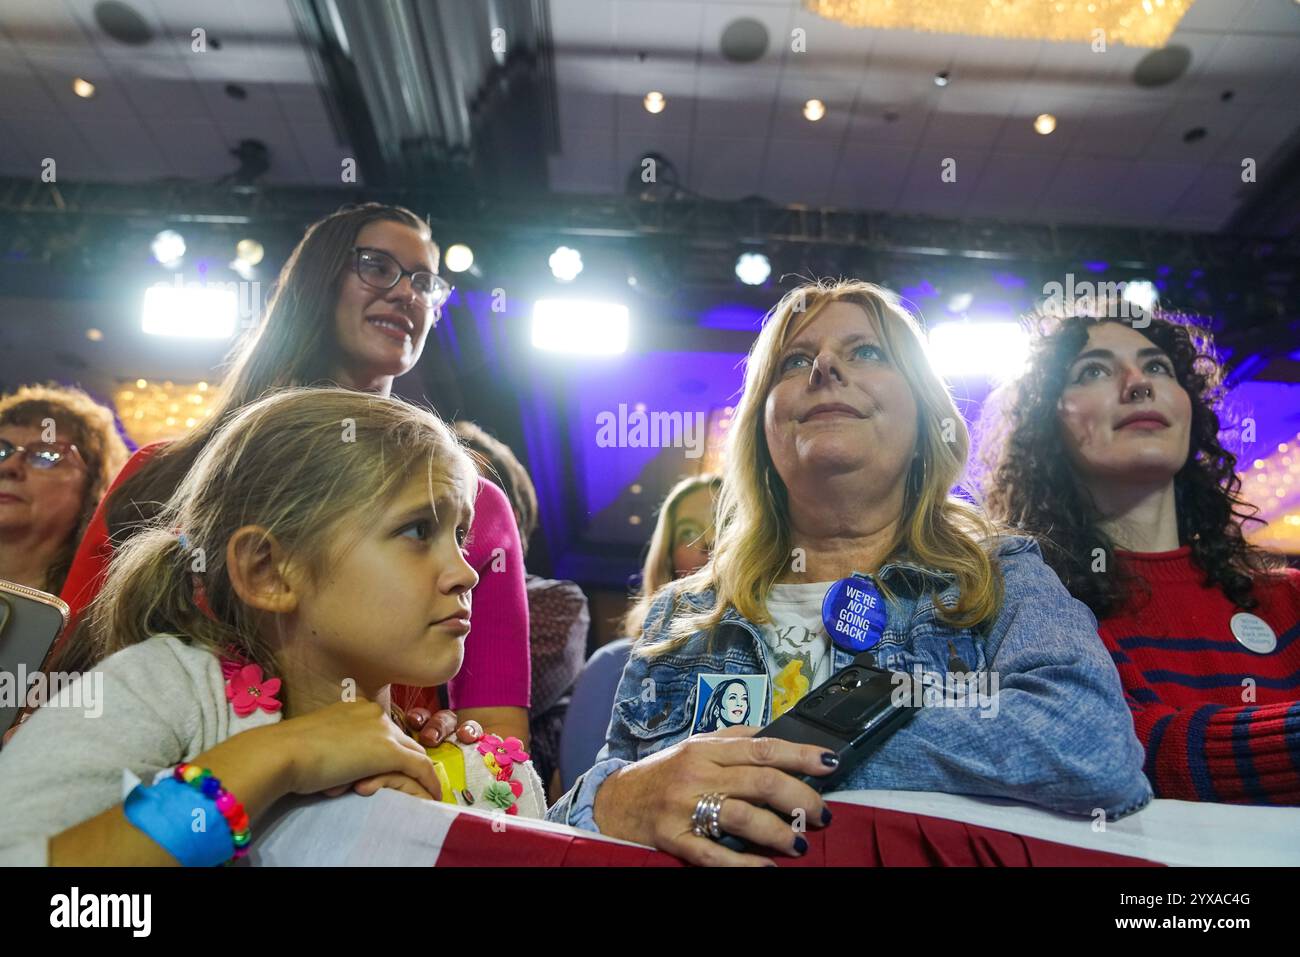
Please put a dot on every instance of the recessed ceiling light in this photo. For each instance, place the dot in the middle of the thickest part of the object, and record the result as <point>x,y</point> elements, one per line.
<point>654,102</point>
<point>814,110</point>
<point>941,78</point>
<point>83,88</point>
<point>1044,123</point>
<point>94,335</point>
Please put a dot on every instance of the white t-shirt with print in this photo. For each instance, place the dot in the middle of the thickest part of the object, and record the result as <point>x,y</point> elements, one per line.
<point>798,647</point>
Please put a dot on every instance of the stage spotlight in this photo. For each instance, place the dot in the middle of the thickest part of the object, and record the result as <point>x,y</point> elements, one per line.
<point>1141,293</point>
<point>580,326</point>
<point>565,263</point>
<point>1044,123</point>
<point>192,312</point>
<point>168,247</point>
<point>249,251</point>
<point>960,302</point>
<point>83,88</point>
<point>654,102</point>
<point>814,110</point>
<point>753,269</point>
<point>459,257</point>
<point>996,350</point>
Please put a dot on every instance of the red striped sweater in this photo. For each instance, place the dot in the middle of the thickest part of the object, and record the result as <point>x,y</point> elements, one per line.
<point>1210,734</point>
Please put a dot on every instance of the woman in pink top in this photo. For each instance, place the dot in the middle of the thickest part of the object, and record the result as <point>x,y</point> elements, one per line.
<point>352,307</point>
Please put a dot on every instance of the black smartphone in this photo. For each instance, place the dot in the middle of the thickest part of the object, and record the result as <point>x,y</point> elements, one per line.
<point>30,621</point>
<point>851,714</point>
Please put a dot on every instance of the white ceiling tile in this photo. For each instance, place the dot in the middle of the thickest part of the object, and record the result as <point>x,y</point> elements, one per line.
<point>126,150</point>
<point>301,103</point>
<point>726,168</point>
<point>322,152</point>
<point>833,44</point>
<point>1119,127</point>
<point>889,120</point>
<point>1167,143</point>
<point>868,173</point>
<point>1081,182</point>
<point>1215,194</point>
<point>1254,67</point>
<point>1010,184</point>
<point>585,163</point>
<point>968,117</point>
<point>16,159</point>
<point>21,90</point>
<point>1268,16</point>
<point>1212,14</point>
<point>793,173</point>
<point>926,190</point>
<point>578,25</point>
<point>52,135</point>
<point>195,148</point>
<point>669,33</point>
<point>1264,130</point>
<point>735,100</point>
<point>1157,186</point>
<point>47,26</point>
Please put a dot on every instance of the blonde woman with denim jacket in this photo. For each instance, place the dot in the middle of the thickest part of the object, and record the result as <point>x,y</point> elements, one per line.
<point>842,455</point>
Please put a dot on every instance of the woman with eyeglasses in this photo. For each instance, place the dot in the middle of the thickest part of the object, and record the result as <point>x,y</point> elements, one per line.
<point>59,451</point>
<point>353,307</point>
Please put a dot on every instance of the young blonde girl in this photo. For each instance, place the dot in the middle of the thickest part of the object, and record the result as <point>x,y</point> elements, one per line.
<point>312,557</point>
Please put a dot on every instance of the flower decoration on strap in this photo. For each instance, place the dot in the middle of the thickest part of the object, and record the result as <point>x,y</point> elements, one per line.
<point>501,755</point>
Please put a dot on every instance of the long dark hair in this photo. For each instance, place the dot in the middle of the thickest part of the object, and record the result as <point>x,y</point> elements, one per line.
<point>294,345</point>
<point>1031,482</point>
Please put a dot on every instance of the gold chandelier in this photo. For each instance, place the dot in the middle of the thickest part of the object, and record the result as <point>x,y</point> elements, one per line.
<point>1136,23</point>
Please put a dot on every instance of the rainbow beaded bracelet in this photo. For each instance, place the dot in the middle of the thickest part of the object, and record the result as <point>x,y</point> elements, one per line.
<point>205,782</point>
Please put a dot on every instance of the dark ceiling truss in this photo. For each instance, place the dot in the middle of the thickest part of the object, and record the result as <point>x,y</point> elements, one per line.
<point>633,217</point>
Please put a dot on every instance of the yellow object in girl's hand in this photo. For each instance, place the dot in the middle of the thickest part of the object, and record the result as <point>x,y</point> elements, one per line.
<point>449,765</point>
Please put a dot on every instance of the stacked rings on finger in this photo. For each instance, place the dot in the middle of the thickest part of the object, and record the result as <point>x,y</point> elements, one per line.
<point>708,809</point>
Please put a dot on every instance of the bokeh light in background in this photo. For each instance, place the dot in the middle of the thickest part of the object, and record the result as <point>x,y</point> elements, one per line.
<point>162,411</point>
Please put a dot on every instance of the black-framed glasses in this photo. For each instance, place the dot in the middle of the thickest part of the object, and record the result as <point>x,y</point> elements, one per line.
<point>42,455</point>
<point>379,269</point>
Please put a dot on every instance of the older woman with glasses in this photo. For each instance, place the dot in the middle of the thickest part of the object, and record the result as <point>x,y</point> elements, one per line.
<point>59,451</point>
<point>354,305</point>
<point>843,452</point>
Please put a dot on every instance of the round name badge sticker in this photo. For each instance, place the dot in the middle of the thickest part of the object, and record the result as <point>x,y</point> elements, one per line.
<point>1253,632</point>
<point>854,613</point>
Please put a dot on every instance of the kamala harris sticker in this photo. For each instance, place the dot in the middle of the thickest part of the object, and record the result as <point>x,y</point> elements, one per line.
<point>724,701</point>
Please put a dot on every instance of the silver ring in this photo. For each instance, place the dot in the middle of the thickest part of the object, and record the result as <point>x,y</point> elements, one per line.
<point>708,810</point>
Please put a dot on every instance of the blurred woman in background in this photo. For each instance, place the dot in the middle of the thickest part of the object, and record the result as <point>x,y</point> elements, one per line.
<point>558,617</point>
<point>681,543</point>
<point>353,306</point>
<point>59,450</point>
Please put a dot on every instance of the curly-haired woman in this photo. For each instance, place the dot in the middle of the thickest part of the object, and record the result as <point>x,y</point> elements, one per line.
<point>59,450</point>
<point>1111,456</point>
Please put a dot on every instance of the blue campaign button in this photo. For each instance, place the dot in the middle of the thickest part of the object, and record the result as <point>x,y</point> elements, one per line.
<point>854,613</point>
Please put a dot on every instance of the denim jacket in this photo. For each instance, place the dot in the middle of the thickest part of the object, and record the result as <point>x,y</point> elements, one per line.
<point>1060,735</point>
